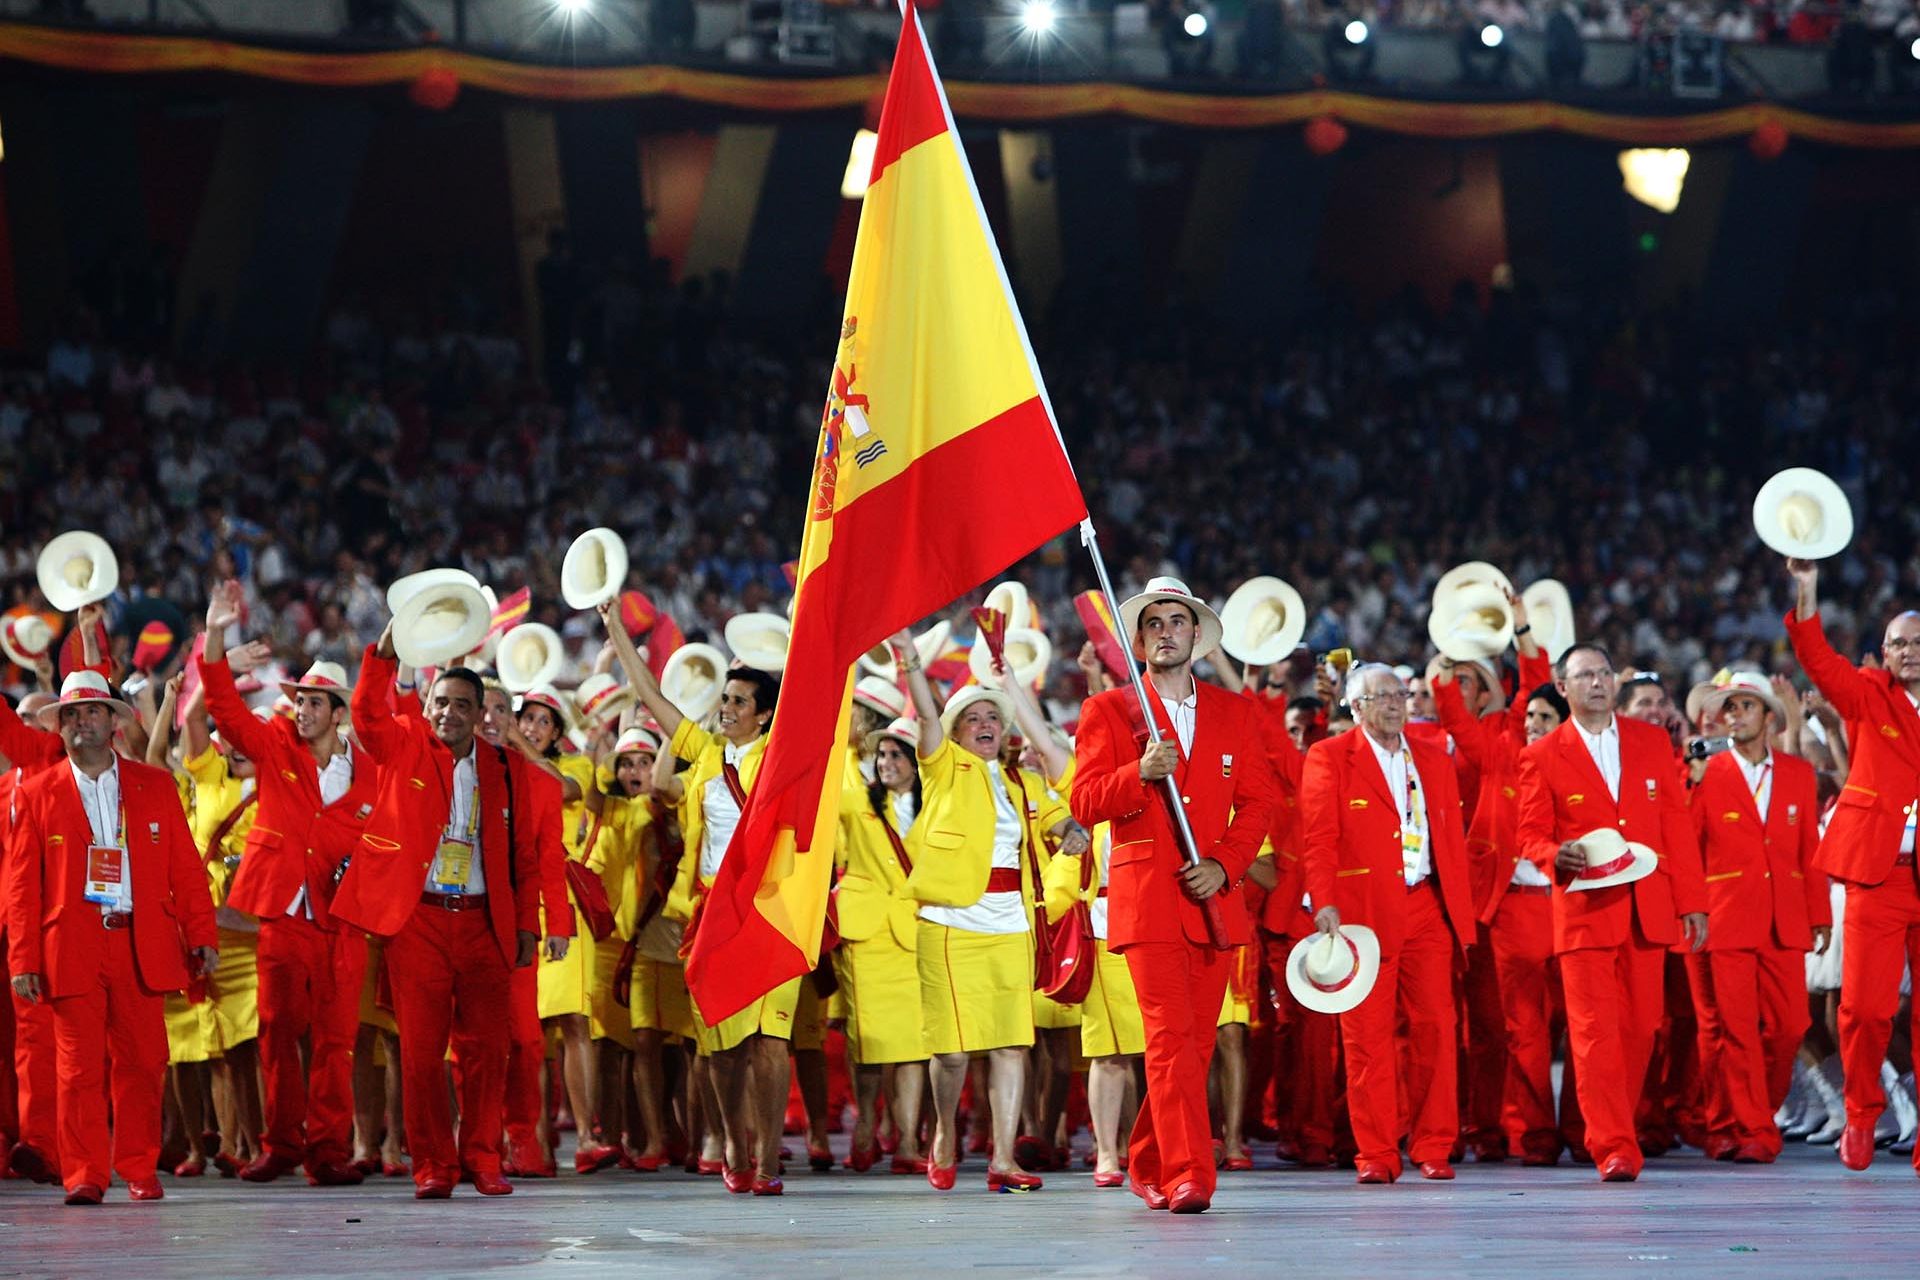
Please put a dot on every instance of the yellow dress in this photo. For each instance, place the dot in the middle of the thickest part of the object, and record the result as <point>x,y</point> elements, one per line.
<point>233,989</point>
<point>877,964</point>
<point>773,1013</point>
<point>565,984</point>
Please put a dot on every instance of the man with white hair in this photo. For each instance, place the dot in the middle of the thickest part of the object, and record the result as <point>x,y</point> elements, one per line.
<point>1385,848</point>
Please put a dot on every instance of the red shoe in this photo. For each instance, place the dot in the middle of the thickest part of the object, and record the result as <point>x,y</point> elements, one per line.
<point>146,1189</point>
<point>768,1186</point>
<point>227,1165</point>
<point>331,1173</point>
<point>707,1168</point>
<point>86,1193</point>
<point>268,1166</point>
<point>1012,1182</point>
<point>191,1167</point>
<point>978,1144</point>
<point>1436,1170</point>
<point>908,1164</point>
<point>368,1166</point>
<point>942,1178</point>
<point>1719,1146</point>
<point>1031,1154</point>
<point>1755,1152</point>
<point>861,1159</point>
<point>1114,1179</point>
<point>738,1183</point>
<point>1237,1164</point>
<point>1312,1155</point>
<point>394,1170</point>
<point>1618,1169</point>
<point>433,1189</point>
<point>889,1143</point>
<point>647,1164</point>
<point>1155,1198</point>
<point>492,1184</point>
<point>31,1163</point>
<point>1188,1198</point>
<point>819,1159</point>
<point>1373,1172</point>
<point>1856,1146</point>
<point>592,1158</point>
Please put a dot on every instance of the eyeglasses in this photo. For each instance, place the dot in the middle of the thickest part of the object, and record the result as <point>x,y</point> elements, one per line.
<point>1899,643</point>
<point>1600,676</point>
<point>1398,695</point>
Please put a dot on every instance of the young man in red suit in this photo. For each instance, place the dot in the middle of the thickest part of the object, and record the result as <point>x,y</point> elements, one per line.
<point>1385,848</point>
<point>1599,770</point>
<point>1211,748</point>
<point>1869,844</point>
<point>314,796</point>
<point>105,900</point>
<point>1757,812</point>
<point>448,868</point>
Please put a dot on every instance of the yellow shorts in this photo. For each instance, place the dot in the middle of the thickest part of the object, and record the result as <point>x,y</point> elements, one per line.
<point>564,983</point>
<point>233,989</point>
<point>371,1014</point>
<point>191,1034</point>
<point>976,989</point>
<point>1110,1022</point>
<point>770,1015</point>
<point>610,1021</point>
<point>880,983</point>
<point>659,1000</point>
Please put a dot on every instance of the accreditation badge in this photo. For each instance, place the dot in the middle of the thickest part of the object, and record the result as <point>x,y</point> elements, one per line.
<point>451,865</point>
<point>106,872</point>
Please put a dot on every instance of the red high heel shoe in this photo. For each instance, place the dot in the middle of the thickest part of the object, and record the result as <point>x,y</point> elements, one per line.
<point>942,1179</point>
<point>819,1159</point>
<point>909,1164</point>
<point>861,1159</point>
<point>739,1183</point>
<point>1115,1179</point>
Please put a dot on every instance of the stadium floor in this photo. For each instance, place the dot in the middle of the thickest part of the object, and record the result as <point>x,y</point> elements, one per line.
<point>1803,1216</point>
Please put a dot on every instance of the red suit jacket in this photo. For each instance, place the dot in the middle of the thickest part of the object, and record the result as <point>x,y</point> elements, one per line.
<point>1863,836</point>
<point>48,929</point>
<point>388,873</point>
<point>1563,796</point>
<point>1226,783</point>
<point>1490,746</point>
<point>296,839</point>
<point>1352,837</point>
<point>29,749</point>
<point>548,806</point>
<point>1762,889</point>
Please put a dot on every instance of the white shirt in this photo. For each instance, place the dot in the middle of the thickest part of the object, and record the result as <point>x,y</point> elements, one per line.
<point>1410,801</point>
<point>100,797</point>
<point>904,811</point>
<point>720,814</point>
<point>1605,749</point>
<point>1102,846</point>
<point>335,780</point>
<point>1180,713</point>
<point>461,819</point>
<point>1759,780</point>
<point>1913,809</point>
<point>994,912</point>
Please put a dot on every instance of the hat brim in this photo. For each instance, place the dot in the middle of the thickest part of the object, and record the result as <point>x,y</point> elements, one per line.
<point>956,705</point>
<point>745,634</point>
<point>403,589</point>
<point>1716,698</point>
<point>1645,860</point>
<point>421,651</point>
<point>518,680</point>
<point>1836,514</point>
<point>1366,945</point>
<point>1238,612</point>
<point>1133,606</point>
<point>695,708</point>
<point>1549,597</point>
<point>871,742</point>
<point>62,595</point>
<point>585,595</point>
<point>609,707</point>
<point>291,689</point>
<point>49,715</point>
<point>17,655</point>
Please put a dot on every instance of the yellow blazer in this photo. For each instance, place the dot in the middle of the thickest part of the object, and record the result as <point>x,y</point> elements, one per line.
<point>873,894</point>
<point>617,859</point>
<point>708,752</point>
<point>951,844</point>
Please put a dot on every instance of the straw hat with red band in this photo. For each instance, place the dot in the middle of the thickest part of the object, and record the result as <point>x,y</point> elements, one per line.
<point>547,696</point>
<point>601,698</point>
<point>903,731</point>
<point>881,696</point>
<point>636,739</point>
<point>1165,589</point>
<point>966,697</point>
<point>26,639</point>
<point>1750,683</point>
<point>1333,972</point>
<point>322,677</point>
<point>81,689</point>
<point>1611,859</point>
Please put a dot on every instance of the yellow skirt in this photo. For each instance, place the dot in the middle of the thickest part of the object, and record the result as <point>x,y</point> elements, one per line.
<point>976,989</point>
<point>1051,1015</point>
<point>371,1014</point>
<point>1235,1007</point>
<point>1110,1022</point>
<point>770,1015</point>
<point>809,1018</point>
<point>610,1021</point>
<point>880,983</point>
<point>233,989</point>
<point>564,984</point>
<point>659,1001</point>
<point>191,1033</point>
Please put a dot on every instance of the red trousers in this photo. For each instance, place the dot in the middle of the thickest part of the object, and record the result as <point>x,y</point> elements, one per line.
<point>1402,1072</point>
<point>451,986</point>
<point>1752,1011</point>
<point>1306,1055</point>
<point>114,1019</point>
<point>524,1059</point>
<point>30,1113</point>
<point>309,989</point>
<point>1880,932</point>
<point>1180,987</point>
<point>1483,1049</point>
<point>1615,998</point>
<point>1521,939</point>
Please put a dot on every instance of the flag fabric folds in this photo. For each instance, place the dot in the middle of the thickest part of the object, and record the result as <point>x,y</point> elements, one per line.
<point>939,465</point>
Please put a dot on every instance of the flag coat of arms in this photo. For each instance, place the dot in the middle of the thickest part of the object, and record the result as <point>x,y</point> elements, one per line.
<point>939,465</point>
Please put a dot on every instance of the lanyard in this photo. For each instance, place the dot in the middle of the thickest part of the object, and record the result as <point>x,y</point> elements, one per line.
<point>1414,809</point>
<point>473,810</point>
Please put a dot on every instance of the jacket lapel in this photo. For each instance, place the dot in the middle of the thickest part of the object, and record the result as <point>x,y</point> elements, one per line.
<point>1367,765</point>
<point>1573,749</point>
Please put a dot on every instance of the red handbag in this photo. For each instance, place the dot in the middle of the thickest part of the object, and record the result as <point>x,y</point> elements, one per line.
<point>589,895</point>
<point>1063,950</point>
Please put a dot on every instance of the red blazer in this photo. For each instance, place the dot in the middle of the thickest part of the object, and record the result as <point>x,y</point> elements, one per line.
<point>1762,889</point>
<point>30,749</point>
<point>52,930</point>
<point>388,873</point>
<point>1883,780</point>
<point>295,839</point>
<point>1352,836</point>
<point>1491,746</point>
<point>545,791</point>
<point>1227,785</point>
<point>1563,796</point>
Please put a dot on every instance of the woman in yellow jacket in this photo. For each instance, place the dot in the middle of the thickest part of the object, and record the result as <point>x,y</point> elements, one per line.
<point>877,964</point>
<point>977,862</point>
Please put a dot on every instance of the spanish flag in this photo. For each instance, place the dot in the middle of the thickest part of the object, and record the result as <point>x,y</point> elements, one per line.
<point>939,465</point>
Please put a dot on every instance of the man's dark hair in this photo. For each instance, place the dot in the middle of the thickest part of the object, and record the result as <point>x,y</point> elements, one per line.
<point>468,677</point>
<point>766,687</point>
<point>1551,696</point>
<point>1306,702</point>
<point>1582,646</point>
<point>1630,687</point>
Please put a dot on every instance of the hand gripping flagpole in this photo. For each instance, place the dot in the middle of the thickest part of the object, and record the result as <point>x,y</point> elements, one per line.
<point>1212,908</point>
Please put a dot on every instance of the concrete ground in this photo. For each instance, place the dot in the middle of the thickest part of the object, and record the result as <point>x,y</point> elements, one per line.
<point>1805,1216</point>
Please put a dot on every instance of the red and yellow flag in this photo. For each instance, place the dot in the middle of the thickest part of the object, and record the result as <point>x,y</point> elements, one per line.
<point>939,465</point>
<point>511,612</point>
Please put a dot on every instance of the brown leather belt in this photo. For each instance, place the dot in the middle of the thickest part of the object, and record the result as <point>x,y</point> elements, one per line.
<point>117,920</point>
<point>455,901</point>
<point>1530,888</point>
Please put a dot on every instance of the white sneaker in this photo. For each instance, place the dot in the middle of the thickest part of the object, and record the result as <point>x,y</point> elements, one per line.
<point>1788,1117</point>
<point>1825,1080</point>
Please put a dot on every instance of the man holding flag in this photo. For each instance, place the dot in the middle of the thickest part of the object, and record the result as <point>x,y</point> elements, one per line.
<point>934,387</point>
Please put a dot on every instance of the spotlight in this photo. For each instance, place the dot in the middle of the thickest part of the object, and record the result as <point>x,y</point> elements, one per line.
<point>1491,36</point>
<point>1347,48</point>
<point>1038,16</point>
<point>1195,25</point>
<point>570,7</point>
<point>1357,33</point>
<point>1914,49</point>
<point>1483,53</point>
<point>1655,176</point>
<point>853,184</point>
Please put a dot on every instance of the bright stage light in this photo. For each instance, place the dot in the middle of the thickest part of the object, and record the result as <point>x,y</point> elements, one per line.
<point>1038,16</point>
<point>1914,50</point>
<point>1356,32</point>
<point>570,7</point>
<point>1491,36</point>
<point>853,184</point>
<point>1195,25</point>
<point>1655,176</point>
